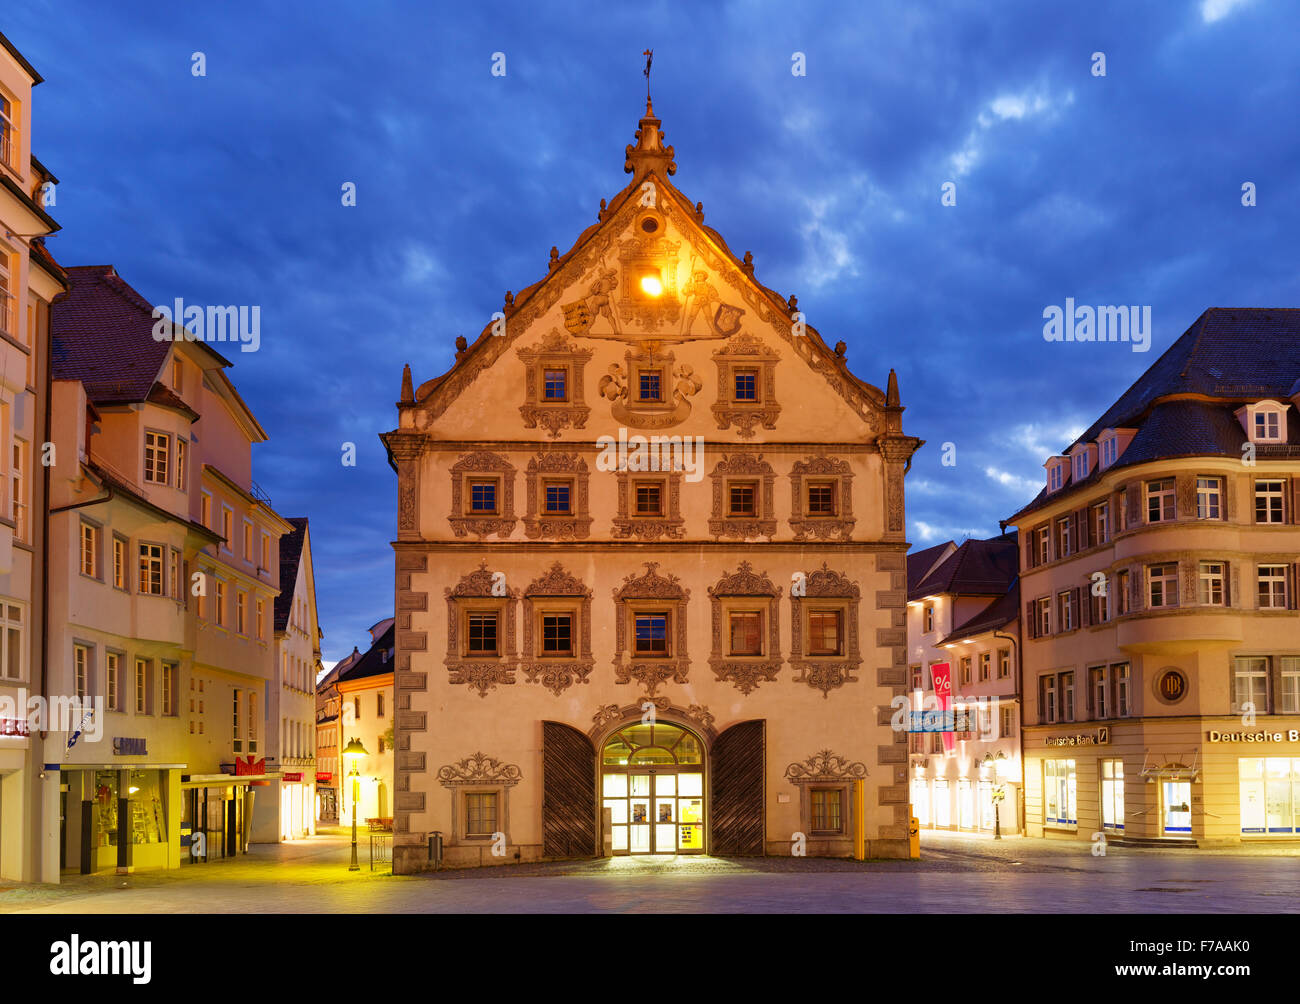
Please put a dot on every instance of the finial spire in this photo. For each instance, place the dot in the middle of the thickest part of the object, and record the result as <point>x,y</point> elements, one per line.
<point>649,58</point>
<point>649,152</point>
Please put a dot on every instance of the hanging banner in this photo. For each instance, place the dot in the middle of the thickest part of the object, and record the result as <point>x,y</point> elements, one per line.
<point>941,675</point>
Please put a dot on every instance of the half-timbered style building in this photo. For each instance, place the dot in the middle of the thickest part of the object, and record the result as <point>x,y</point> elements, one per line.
<point>650,565</point>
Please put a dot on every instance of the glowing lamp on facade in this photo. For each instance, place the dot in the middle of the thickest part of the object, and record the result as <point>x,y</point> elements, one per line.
<point>652,285</point>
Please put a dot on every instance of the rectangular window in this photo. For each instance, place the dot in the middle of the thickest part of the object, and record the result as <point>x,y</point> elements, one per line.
<point>236,734</point>
<point>1250,685</point>
<point>746,385</point>
<point>1268,501</point>
<point>1007,720</point>
<point>182,463</point>
<point>1055,477</point>
<point>1044,545</point>
<point>81,670</point>
<point>266,550</point>
<point>483,496</point>
<point>986,666</point>
<point>965,670</point>
<point>1267,426</point>
<point>90,550</point>
<point>1121,593</point>
<point>113,681</point>
<point>1098,686</point>
<point>205,510</point>
<point>557,634</point>
<point>1160,500</point>
<point>1004,663</point>
<point>379,704</point>
<point>827,810</point>
<point>1059,805</point>
<point>1210,576</point>
<point>143,672</point>
<point>248,541</point>
<point>18,489</point>
<point>746,632</point>
<point>1100,516</point>
<point>480,813</point>
<point>555,385</point>
<point>119,562</point>
<point>1209,498</point>
<point>742,499</point>
<point>157,457</point>
<point>1162,585</point>
<point>169,674</point>
<point>1047,698</point>
<point>241,611</point>
<point>483,634</point>
<point>651,632</point>
<point>151,569</point>
<point>1044,612</point>
<point>1063,536</point>
<point>220,603</point>
<point>648,386</point>
<point>174,575</point>
<point>1112,794</point>
<point>1123,694</point>
<point>558,497</point>
<point>821,498</point>
<point>928,617</point>
<point>1067,697</point>
<point>227,528</point>
<point>1121,513</point>
<point>1289,681</point>
<point>825,632</point>
<point>649,499</point>
<point>1099,605</point>
<point>1272,587</point>
<point>1065,609</point>
<point>1108,451</point>
<point>261,618</point>
<point>252,722</point>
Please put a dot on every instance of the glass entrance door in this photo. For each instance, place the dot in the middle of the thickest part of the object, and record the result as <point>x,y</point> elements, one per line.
<point>652,788</point>
<point>1177,808</point>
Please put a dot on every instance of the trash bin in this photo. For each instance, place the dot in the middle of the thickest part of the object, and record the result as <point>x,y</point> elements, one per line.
<point>435,848</point>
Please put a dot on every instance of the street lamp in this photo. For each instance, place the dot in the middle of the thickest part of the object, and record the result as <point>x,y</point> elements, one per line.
<point>353,750</point>
<point>999,790</point>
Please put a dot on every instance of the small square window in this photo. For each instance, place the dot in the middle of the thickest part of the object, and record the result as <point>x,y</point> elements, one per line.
<point>821,498</point>
<point>482,634</point>
<point>480,814</point>
<point>827,810</point>
<point>649,500</point>
<point>557,634</point>
<point>825,634</point>
<point>651,634</point>
<point>650,385</point>
<point>483,496</point>
<point>555,385</point>
<point>558,495</point>
<point>746,385</point>
<point>746,632</point>
<point>743,499</point>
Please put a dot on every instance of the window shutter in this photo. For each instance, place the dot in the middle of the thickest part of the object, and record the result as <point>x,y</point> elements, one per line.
<point>1074,605</point>
<point>1084,605</point>
<point>1230,484</point>
<point>1031,619</point>
<point>1134,502</point>
<point>1293,578</point>
<point>1136,585</point>
<point>1295,500</point>
<point>1082,520</point>
<point>1229,582</point>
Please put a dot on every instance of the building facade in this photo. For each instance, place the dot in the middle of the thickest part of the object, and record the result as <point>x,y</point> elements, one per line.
<point>1159,582</point>
<point>30,279</point>
<point>963,606</point>
<point>164,570</point>
<point>329,722</point>
<point>650,565</point>
<point>365,692</point>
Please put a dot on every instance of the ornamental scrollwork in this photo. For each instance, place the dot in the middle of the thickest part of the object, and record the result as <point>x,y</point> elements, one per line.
<point>479,768</point>
<point>825,765</point>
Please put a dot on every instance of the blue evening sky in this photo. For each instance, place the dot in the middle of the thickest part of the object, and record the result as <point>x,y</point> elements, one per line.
<point>225,189</point>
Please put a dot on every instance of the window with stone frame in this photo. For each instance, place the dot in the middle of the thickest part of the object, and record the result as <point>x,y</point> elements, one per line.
<point>1269,504</point>
<point>1161,496</point>
<point>557,631</point>
<point>821,499</point>
<point>479,789</point>
<point>746,642</point>
<point>481,631</point>
<point>557,494</point>
<point>1162,584</point>
<point>649,506</point>
<point>744,489</point>
<point>553,382</point>
<point>824,649</point>
<point>482,495</point>
<point>746,385</point>
<point>650,630</point>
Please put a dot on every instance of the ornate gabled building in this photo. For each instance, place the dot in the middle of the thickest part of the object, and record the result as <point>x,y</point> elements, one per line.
<point>650,565</point>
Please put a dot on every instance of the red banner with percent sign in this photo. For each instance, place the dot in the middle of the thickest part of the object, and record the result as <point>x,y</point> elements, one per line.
<point>941,675</point>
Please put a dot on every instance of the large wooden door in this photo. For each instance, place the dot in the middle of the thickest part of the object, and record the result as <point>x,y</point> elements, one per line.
<point>736,772</point>
<point>568,792</point>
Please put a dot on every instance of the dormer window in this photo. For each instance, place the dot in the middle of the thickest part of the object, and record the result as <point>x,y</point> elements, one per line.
<point>1264,421</point>
<point>1055,476</point>
<point>1108,451</point>
<point>1082,460</point>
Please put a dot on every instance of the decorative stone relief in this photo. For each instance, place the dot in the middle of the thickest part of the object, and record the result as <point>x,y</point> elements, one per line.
<point>479,769</point>
<point>838,526</point>
<point>463,520</point>
<point>743,467</point>
<point>829,590</point>
<point>575,525</point>
<point>481,590</point>
<point>825,765</point>
<point>664,593</point>
<point>746,352</point>
<point>745,673</point>
<point>554,351</point>
<point>557,674</point>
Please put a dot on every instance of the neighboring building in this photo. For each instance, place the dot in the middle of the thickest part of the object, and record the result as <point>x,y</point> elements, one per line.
<point>328,723</point>
<point>1159,581</point>
<point>29,280</point>
<point>164,570</point>
<point>548,594</point>
<point>963,611</point>
<point>365,689</point>
<point>290,811</point>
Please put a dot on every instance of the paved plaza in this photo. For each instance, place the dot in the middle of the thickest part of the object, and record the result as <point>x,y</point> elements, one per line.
<point>956,874</point>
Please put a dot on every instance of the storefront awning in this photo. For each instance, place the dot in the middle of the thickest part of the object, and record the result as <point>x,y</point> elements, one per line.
<point>224,780</point>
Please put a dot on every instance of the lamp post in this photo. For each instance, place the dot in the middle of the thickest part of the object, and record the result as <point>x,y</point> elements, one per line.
<point>999,790</point>
<point>353,750</point>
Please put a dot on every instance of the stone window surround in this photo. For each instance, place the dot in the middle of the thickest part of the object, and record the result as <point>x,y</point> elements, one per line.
<point>826,590</point>
<point>651,593</point>
<point>669,523</point>
<point>482,466</point>
<point>745,352</point>
<point>550,467</point>
<point>746,468</point>
<point>745,591</point>
<point>554,352</point>
<point>557,592</point>
<point>473,594</point>
<point>819,469</point>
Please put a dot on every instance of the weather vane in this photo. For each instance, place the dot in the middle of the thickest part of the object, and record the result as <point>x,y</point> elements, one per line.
<point>649,57</point>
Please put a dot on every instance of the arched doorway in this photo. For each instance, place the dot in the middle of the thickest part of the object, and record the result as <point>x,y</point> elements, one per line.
<point>652,789</point>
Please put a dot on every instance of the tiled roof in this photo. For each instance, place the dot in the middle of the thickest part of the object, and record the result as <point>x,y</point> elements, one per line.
<point>919,563</point>
<point>102,332</point>
<point>290,555</point>
<point>373,662</point>
<point>1000,613</point>
<point>1233,355</point>
<point>980,567</point>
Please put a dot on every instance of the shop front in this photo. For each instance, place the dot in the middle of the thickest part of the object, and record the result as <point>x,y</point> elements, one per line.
<point>15,751</point>
<point>217,814</point>
<point>122,818</point>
